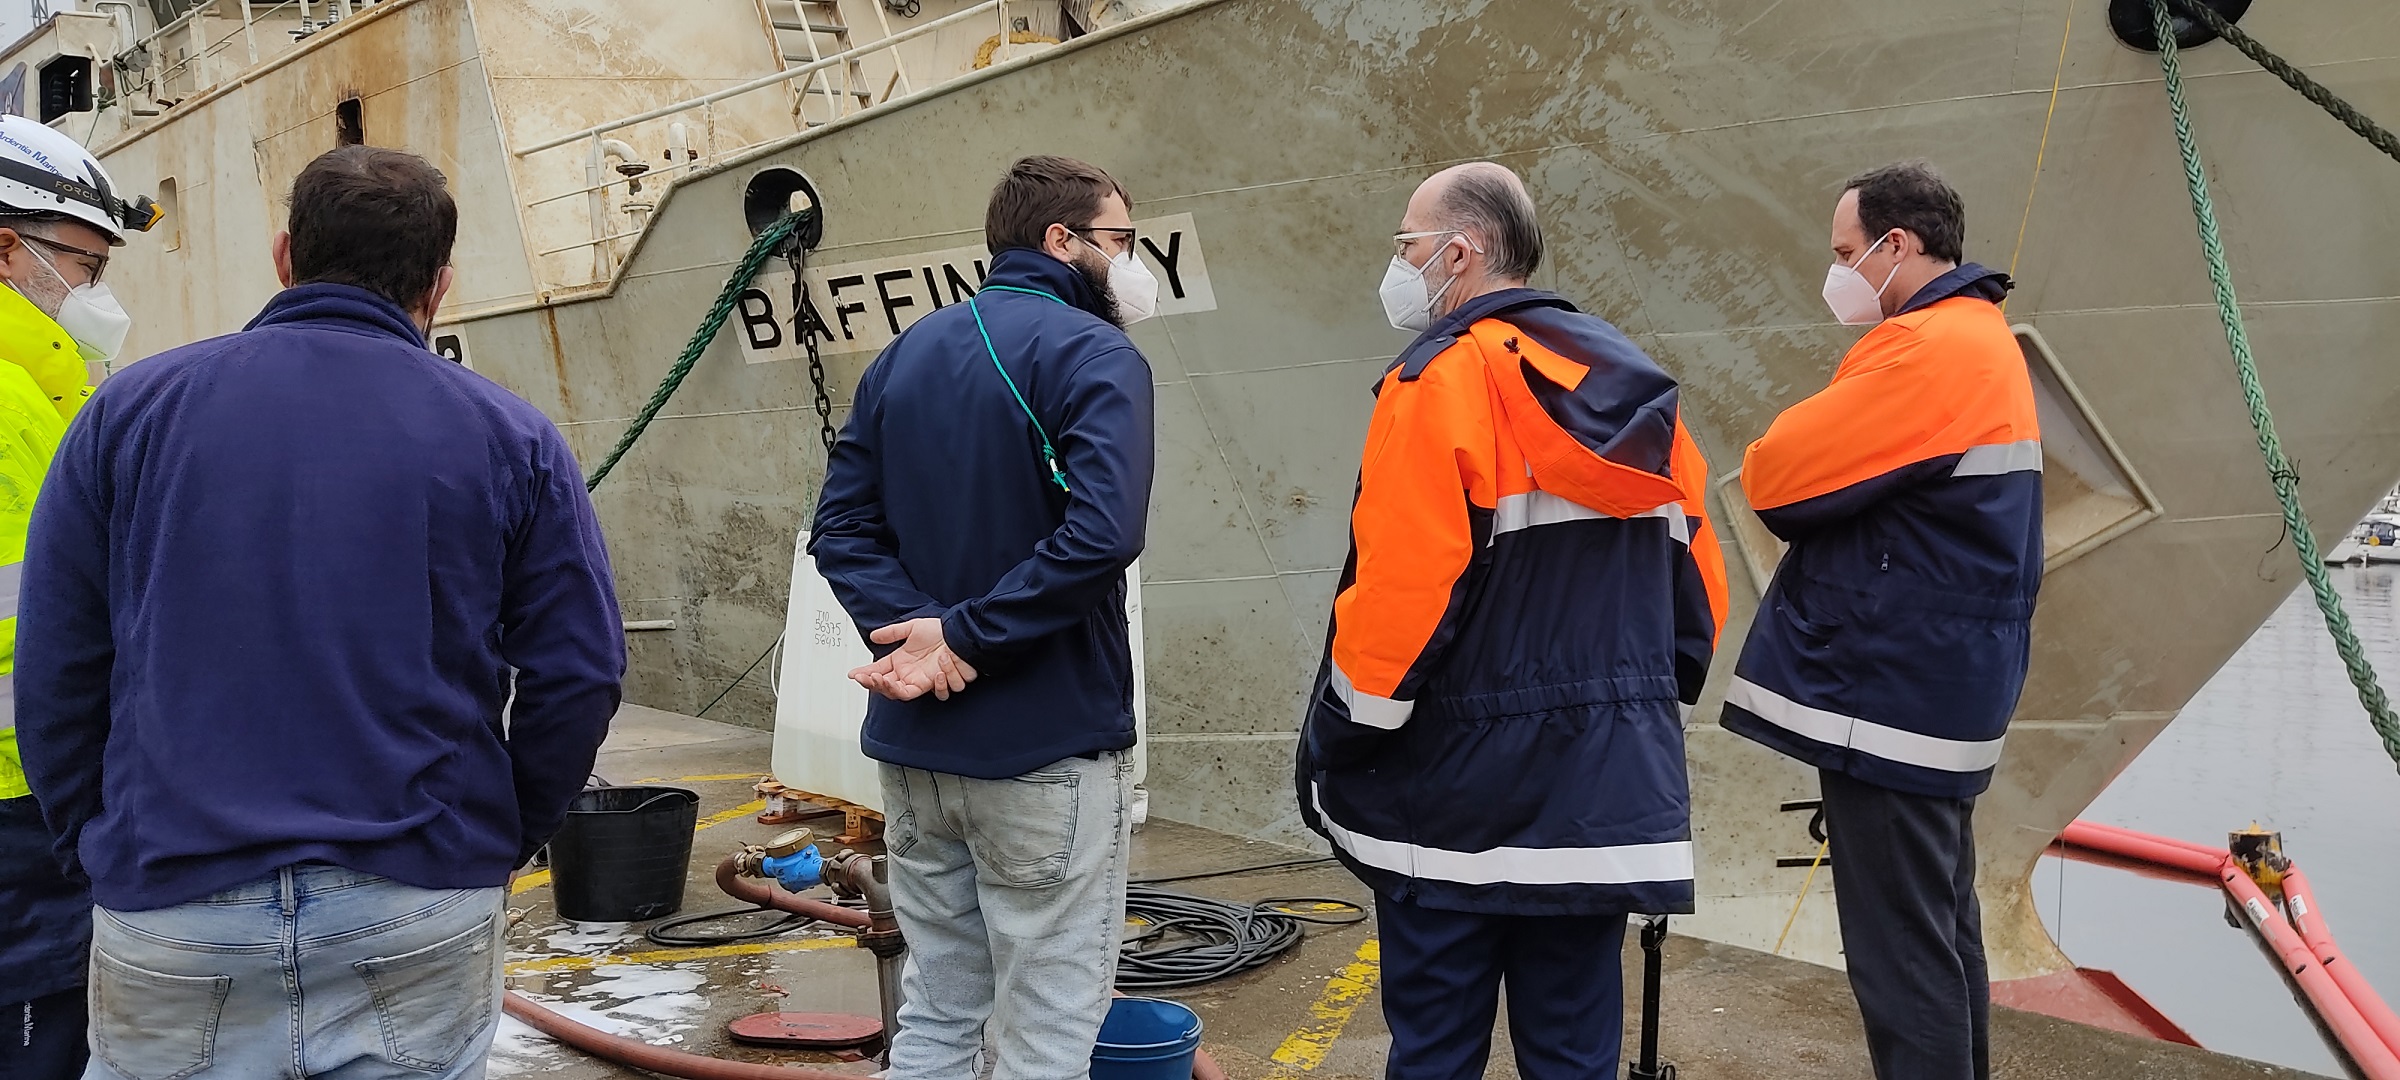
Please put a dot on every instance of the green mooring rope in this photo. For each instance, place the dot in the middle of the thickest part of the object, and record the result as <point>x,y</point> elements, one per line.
<point>764,247</point>
<point>2293,77</point>
<point>2279,468</point>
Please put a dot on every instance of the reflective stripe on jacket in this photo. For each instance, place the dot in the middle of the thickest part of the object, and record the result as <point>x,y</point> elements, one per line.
<point>1894,639</point>
<point>1533,584</point>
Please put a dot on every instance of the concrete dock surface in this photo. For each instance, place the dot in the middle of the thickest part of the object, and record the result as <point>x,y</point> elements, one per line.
<point>1729,1013</point>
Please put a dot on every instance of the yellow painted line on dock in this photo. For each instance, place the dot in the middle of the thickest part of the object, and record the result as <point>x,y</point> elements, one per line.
<point>549,964</point>
<point>1348,989</point>
<point>748,809</point>
<point>539,878</point>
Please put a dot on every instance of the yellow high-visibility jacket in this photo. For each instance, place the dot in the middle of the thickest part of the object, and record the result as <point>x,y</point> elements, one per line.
<point>43,382</point>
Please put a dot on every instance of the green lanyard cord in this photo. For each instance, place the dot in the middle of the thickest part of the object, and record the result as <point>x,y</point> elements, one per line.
<point>1049,454</point>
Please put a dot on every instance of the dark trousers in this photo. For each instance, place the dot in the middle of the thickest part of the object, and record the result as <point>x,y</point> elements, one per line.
<point>1442,973</point>
<point>43,1039</point>
<point>1912,932</point>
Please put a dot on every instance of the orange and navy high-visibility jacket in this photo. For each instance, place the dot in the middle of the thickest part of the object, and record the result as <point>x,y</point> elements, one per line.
<point>1532,586</point>
<point>1893,642</point>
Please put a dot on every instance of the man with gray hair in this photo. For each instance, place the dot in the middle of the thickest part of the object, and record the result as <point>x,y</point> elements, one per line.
<point>1494,744</point>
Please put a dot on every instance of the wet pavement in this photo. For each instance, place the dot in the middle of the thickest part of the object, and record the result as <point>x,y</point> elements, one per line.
<point>1730,1013</point>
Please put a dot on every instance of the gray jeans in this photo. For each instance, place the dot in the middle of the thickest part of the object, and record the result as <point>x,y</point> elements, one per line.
<point>1012,895</point>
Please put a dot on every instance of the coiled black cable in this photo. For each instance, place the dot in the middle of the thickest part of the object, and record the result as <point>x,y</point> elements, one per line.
<point>1191,940</point>
<point>1186,940</point>
<point>668,932</point>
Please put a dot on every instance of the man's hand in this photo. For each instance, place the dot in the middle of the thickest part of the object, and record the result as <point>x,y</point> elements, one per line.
<point>922,663</point>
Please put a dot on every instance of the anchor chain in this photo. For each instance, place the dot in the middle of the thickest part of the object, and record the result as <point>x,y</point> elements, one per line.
<point>806,324</point>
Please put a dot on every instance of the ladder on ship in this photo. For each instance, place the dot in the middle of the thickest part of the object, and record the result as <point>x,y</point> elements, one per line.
<point>809,31</point>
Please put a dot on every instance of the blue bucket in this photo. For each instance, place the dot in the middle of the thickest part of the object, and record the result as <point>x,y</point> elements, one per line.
<point>1146,1039</point>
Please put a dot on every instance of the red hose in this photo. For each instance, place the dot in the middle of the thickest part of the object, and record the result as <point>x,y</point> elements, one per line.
<point>2301,900</point>
<point>658,1059</point>
<point>665,1062</point>
<point>2333,1007</point>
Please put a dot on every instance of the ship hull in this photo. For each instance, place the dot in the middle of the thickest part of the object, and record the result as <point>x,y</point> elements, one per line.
<point>1685,159</point>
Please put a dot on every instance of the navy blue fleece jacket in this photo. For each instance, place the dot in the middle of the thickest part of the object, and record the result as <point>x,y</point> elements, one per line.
<point>274,591</point>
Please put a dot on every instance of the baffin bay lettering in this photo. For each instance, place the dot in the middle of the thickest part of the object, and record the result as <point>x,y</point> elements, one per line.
<point>862,306</point>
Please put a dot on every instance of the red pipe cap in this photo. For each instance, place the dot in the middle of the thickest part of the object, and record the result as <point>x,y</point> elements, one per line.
<point>806,1031</point>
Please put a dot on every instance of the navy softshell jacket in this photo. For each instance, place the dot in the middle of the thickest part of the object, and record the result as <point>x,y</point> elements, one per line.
<point>939,502</point>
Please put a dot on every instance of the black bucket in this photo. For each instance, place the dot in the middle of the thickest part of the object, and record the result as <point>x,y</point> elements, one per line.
<point>623,854</point>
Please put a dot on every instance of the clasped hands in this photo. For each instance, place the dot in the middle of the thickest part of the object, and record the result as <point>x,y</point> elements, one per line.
<point>922,664</point>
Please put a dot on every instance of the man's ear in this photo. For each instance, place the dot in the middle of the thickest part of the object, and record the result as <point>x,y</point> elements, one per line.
<point>283,258</point>
<point>433,296</point>
<point>10,244</point>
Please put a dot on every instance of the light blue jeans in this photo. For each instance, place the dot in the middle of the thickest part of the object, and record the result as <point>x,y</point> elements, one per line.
<point>316,971</point>
<point>1012,896</point>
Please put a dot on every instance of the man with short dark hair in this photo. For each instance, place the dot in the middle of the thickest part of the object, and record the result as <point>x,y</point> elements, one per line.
<point>979,513</point>
<point>1495,743</point>
<point>1890,648</point>
<point>280,587</point>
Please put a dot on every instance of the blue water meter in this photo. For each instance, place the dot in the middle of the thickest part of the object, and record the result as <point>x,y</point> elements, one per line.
<point>793,861</point>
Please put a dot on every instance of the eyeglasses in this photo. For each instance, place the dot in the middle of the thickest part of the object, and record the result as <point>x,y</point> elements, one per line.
<point>1401,241</point>
<point>1125,236</point>
<point>95,264</point>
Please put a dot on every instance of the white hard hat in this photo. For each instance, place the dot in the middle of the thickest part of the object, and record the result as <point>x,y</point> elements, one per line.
<point>45,172</point>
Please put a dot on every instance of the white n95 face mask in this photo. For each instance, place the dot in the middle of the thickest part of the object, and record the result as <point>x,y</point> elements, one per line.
<point>1407,303</point>
<point>90,315</point>
<point>1133,285</point>
<point>1856,302</point>
<point>1136,288</point>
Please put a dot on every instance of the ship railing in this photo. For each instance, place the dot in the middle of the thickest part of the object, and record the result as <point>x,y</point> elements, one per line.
<point>684,159</point>
<point>140,54</point>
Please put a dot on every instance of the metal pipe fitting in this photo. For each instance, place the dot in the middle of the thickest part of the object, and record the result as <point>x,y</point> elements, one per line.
<point>869,877</point>
<point>750,890</point>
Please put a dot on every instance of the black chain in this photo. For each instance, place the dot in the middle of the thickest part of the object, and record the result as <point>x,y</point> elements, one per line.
<point>2293,77</point>
<point>806,324</point>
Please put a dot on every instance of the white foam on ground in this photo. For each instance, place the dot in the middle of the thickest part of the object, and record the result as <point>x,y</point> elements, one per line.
<point>657,1005</point>
<point>587,939</point>
<point>598,1020</point>
<point>663,995</point>
<point>626,982</point>
<point>520,1049</point>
